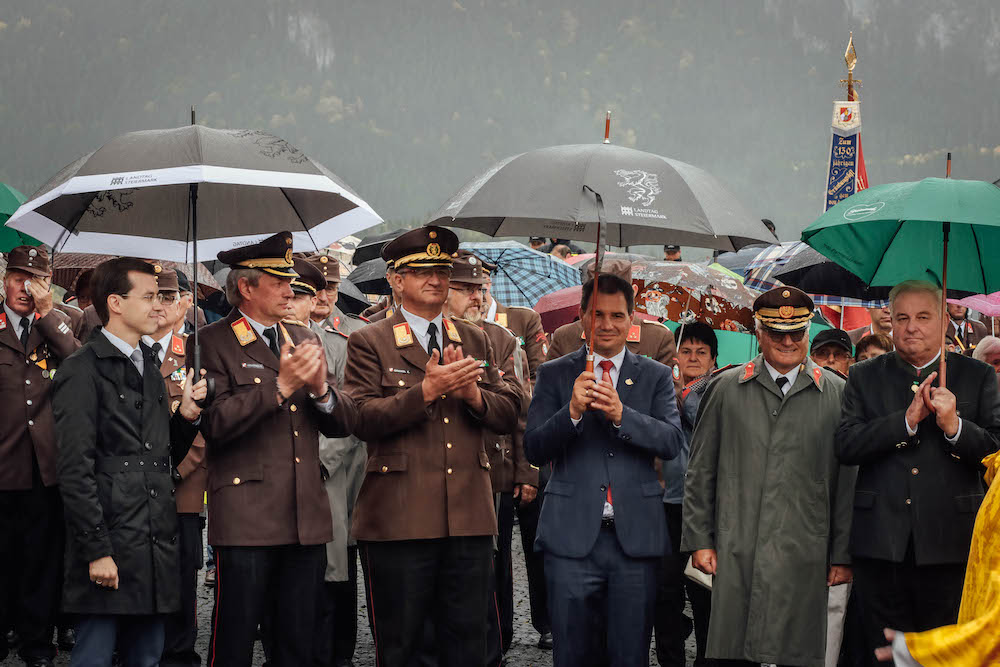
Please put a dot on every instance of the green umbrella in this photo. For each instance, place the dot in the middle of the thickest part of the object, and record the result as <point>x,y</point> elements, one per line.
<point>938,229</point>
<point>10,199</point>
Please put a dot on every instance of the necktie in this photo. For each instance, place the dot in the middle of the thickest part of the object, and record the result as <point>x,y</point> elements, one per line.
<point>25,330</point>
<point>272,341</point>
<point>782,382</point>
<point>432,341</point>
<point>136,358</point>
<point>154,352</point>
<point>606,366</point>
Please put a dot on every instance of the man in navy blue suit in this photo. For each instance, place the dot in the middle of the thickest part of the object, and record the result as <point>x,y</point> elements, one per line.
<point>601,528</point>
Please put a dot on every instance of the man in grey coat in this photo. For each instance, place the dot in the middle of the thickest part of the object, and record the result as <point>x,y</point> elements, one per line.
<point>767,507</point>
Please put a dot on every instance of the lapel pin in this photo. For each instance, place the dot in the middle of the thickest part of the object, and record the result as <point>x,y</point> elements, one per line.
<point>628,381</point>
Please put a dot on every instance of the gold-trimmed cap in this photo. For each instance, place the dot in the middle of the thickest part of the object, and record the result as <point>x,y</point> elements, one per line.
<point>272,255</point>
<point>783,309</point>
<point>309,279</point>
<point>428,246</point>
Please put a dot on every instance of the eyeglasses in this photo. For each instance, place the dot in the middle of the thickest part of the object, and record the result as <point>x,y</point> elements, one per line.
<point>468,290</point>
<point>427,272</point>
<point>167,299</point>
<point>148,298</point>
<point>779,336</point>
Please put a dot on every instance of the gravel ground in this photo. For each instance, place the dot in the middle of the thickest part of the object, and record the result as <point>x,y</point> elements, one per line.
<point>523,652</point>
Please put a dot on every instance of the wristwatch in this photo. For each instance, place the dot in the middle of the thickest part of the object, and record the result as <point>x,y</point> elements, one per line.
<point>321,399</point>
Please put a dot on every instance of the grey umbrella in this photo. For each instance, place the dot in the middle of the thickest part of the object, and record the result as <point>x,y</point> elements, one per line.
<point>640,198</point>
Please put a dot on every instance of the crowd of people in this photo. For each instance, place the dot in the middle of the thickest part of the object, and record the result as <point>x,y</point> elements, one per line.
<point>808,503</point>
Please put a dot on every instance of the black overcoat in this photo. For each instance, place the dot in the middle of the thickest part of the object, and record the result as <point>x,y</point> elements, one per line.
<point>117,446</point>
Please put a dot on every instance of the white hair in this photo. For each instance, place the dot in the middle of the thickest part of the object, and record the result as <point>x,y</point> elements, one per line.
<point>908,286</point>
<point>986,347</point>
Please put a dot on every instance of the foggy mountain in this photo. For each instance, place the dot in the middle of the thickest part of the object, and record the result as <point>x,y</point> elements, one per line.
<point>408,100</point>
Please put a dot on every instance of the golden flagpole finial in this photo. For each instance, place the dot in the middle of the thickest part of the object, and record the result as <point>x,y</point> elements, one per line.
<point>851,60</point>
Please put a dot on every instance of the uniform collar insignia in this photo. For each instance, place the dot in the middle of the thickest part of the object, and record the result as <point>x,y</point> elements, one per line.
<point>37,316</point>
<point>244,332</point>
<point>502,319</point>
<point>817,376</point>
<point>177,344</point>
<point>747,371</point>
<point>634,333</point>
<point>453,335</point>
<point>402,334</point>
<point>3,320</point>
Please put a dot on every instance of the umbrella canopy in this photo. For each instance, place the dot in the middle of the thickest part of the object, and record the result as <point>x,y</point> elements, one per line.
<point>69,265</point>
<point>132,196</point>
<point>894,232</point>
<point>813,273</point>
<point>559,308</point>
<point>523,275</point>
<point>685,292</point>
<point>350,299</point>
<point>987,304</point>
<point>370,247</point>
<point>369,277</point>
<point>585,261</point>
<point>645,198</point>
<point>10,200</point>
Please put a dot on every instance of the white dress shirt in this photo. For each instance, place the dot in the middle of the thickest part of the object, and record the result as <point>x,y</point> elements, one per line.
<point>491,313</point>
<point>790,375</point>
<point>14,320</point>
<point>133,353</point>
<point>419,325</point>
<point>164,344</point>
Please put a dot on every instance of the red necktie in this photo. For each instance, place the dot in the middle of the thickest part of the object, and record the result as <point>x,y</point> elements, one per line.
<point>606,366</point>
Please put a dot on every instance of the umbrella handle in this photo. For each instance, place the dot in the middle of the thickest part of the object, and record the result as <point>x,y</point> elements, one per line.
<point>209,391</point>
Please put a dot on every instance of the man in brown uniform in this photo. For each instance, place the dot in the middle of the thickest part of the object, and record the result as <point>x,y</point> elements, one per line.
<point>34,339</point>
<point>169,346</point>
<point>326,312</point>
<point>427,390</point>
<point>269,516</point>
<point>512,477</point>
<point>646,337</point>
<point>524,322</point>
<point>388,305</point>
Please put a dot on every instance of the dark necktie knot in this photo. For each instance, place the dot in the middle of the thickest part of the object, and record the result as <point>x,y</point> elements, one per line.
<point>272,340</point>
<point>432,341</point>
<point>782,381</point>
<point>154,352</point>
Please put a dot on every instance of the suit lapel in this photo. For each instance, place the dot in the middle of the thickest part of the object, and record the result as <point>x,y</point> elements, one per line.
<point>627,376</point>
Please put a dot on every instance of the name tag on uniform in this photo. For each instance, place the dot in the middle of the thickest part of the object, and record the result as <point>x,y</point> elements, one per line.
<point>246,365</point>
<point>399,370</point>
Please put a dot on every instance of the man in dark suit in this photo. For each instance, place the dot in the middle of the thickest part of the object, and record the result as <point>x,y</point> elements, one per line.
<point>117,446</point>
<point>881,323</point>
<point>602,528</point>
<point>917,446</point>
<point>269,517</point>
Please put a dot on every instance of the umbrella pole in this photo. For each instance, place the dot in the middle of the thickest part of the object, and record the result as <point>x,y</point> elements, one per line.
<point>946,228</point>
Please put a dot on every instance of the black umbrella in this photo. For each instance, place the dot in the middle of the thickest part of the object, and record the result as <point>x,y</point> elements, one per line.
<point>369,277</point>
<point>350,299</point>
<point>370,247</point>
<point>813,273</point>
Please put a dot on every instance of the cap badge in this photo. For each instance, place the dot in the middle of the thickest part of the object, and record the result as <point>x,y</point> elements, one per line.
<point>157,268</point>
<point>288,255</point>
<point>432,234</point>
<point>786,294</point>
<point>324,259</point>
<point>433,249</point>
<point>32,252</point>
<point>288,240</point>
<point>472,260</point>
<point>786,312</point>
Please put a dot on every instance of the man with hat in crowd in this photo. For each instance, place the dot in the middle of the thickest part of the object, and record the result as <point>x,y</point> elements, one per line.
<point>35,338</point>
<point>269,515</point>
<point>168,347</point>
<point>513,478</point>
<point>525,323</point>
<point>427,390</point>
<point>388,305</point>
<point>536,242</point>
<point>672,253</point>
<point>918,447</point>
<point>767,506</point>
<point>966,332</point>
<point>326,311</point>
<point>832,348</point>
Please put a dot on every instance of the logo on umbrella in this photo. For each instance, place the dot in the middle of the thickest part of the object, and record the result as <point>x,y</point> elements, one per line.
<point>863,210</point>
<point>642,186</point>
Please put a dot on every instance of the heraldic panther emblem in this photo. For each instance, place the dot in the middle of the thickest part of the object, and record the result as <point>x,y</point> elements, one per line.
<point>642,185</point>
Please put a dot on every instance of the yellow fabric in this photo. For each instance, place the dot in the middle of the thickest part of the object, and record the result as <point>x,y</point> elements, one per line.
<point>975,640</point>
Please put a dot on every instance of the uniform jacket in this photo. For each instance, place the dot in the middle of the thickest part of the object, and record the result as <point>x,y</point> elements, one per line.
<point>26,424</point>
<point>264,476</point>
<point>527,326</point>
<point>646,338</point>
<point>117,446</point>
<point>344,460</point>
<point>921,486</point>
<point>973,331</point>
<point>75,314</point>
<point>508,465</point>
<point>857,334</point>
<point>343,322</point>
<point>428,470</point>
<point>192,469</point>
<point>87,324</point>
<point>587,459</point>
<point>765,490</point>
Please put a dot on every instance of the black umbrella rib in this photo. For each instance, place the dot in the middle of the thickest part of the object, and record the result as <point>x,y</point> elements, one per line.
<point>982,271</point>
<point>899,226</point>
<point>299,216</point>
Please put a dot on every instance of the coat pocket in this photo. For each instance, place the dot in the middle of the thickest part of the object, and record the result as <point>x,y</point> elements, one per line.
<point>864,500</point>
<point>238,477</point>
<point>387,463</point>
<point>968,503</point>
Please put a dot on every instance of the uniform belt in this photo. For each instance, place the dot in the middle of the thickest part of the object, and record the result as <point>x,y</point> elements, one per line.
<point>133,464</point>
